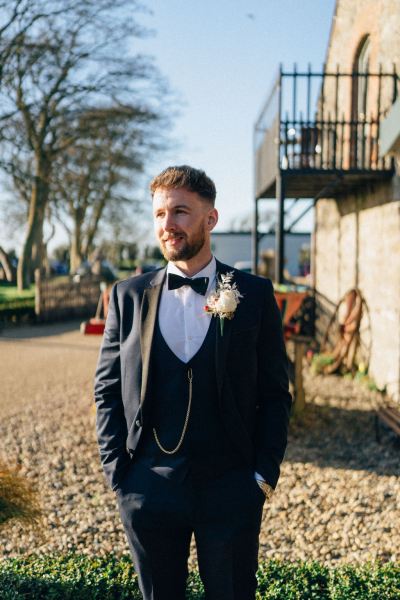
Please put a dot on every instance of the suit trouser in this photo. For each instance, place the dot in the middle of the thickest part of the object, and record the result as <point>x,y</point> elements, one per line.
<point>160,514</point>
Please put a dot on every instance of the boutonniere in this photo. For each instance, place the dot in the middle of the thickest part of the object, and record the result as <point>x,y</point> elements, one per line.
<point>223,302</point>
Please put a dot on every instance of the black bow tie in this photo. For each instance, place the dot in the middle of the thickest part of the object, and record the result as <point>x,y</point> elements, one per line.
<point>199,284</point>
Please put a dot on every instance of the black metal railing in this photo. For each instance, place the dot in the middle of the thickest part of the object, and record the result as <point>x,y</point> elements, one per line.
<point>331,144</point>
<point>324,121</point>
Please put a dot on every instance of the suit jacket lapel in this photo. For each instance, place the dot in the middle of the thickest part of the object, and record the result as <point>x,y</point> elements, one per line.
<point>148,314</point>
<point>222,341</point>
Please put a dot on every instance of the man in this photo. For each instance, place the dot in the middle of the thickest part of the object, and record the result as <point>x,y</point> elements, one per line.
<point>192,403</point>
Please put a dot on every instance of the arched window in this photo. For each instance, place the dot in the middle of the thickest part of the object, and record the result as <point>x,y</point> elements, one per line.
<point>362,68</point>
<point>359,104</point>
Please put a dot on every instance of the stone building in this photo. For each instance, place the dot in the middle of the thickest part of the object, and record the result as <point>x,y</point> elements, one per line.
<point>339,144</point>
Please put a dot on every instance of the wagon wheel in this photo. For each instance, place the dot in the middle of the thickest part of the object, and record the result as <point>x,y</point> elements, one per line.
<point>347,339</point>
<point>363,351</point>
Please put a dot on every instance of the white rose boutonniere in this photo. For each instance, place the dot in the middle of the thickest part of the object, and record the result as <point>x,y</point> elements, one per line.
<point>223,302</point>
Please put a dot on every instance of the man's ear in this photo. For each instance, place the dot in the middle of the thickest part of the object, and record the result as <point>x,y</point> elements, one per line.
<point>212,219</point>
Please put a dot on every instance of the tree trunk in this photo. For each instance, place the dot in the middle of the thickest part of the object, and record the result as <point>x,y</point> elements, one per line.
<point>45,255</point>
<point>39,250</point>
<point>32,250</point>
<point>9,270</point>
<point>76,251</point>
<point>92,227</point>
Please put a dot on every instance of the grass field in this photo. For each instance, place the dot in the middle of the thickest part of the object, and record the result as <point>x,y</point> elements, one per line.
<point>15,305</point>
<point>9,293</point>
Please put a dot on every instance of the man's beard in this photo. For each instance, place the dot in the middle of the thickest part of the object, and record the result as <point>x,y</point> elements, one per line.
<point>188,250</point>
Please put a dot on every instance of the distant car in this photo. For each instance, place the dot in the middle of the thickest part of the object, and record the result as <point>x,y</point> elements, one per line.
<point>58,268</point>
<point>244,265</point>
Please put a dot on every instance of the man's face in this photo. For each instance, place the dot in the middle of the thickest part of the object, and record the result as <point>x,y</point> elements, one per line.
<point>182,222</point>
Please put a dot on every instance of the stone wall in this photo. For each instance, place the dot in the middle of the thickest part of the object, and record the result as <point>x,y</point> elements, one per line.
<point>357,244</point>
<point>353,19</point>
<point>357,236</point>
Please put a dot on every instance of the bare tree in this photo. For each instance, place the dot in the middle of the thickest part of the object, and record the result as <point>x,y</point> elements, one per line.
<point>16,19</point>
<point>97,176</point>
<point>69,62</point>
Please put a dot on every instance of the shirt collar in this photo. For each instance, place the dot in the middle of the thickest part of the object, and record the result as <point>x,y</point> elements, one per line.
<point>208,271</point>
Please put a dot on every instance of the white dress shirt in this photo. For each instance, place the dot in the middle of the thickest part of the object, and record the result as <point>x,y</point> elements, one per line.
<point>182,319</point>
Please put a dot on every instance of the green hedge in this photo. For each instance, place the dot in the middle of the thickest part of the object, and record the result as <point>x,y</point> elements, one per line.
<point>16,306</point>
<point>79,577</point>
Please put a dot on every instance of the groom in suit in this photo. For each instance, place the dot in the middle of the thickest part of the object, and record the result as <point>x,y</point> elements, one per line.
<point>192,403</point>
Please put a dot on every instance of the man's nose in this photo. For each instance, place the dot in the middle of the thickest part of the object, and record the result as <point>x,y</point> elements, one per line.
<point>169,222</point>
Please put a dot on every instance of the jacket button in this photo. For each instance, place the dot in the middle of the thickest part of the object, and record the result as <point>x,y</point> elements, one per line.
<point>138,423</point>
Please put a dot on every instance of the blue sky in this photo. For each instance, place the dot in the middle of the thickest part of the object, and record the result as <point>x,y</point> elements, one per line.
<point>220,58</point>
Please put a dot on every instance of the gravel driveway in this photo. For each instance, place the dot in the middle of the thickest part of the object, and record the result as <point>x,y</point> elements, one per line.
<point>338,498</point>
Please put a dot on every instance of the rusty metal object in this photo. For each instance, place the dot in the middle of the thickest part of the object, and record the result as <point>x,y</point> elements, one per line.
<point>347,339</point>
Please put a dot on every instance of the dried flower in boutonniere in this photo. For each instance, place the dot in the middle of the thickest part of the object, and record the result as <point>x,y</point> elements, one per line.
<point>223,302</point>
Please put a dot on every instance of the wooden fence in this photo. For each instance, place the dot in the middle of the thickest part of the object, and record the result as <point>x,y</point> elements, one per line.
<point>65,300</point>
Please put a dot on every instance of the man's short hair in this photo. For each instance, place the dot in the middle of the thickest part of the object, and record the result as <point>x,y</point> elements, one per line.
<point>193,180</point>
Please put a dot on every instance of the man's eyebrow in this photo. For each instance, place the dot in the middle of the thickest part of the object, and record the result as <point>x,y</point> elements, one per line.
<point>187,206</point>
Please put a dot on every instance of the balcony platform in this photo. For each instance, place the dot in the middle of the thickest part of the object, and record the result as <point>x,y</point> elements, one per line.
<point>318,136</point>
<point>329,183</point>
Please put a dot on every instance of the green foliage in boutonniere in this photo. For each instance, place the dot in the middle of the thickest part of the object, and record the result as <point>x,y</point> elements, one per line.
<point>223,302</point>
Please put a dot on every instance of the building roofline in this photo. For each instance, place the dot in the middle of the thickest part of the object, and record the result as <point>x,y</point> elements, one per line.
<point>249,232</point>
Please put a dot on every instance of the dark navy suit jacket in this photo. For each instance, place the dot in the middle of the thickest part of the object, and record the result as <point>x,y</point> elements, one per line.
<point>251,367</point>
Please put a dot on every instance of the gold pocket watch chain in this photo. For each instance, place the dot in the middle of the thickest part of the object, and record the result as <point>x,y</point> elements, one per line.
<point>190,379</point>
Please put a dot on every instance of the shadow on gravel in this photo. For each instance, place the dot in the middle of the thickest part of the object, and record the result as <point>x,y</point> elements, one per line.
<point>20,332</point>
<point>342,438</point>
<point>83,346</point>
